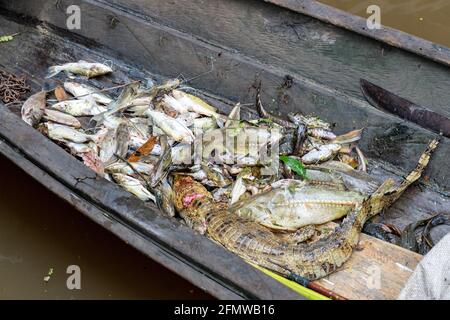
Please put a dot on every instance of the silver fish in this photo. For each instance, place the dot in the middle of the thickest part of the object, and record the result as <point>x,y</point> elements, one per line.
<point>127,95</point>
<point>216,176</point>
<point>349,137</point>
<point>297,204</point>
<point>175,104</point>
<point>114,142</point>
<point>61,118</point>
<point>108,146</point>
<point>195,104</point>
<point>130,168</point>
<point>64,133</point>
<point>164,197</point>
<point>92,160</point>
<point>321,134</point>
<point>122,138</point>
<point>83,90</point>
<point>164,163</point>
<point>234,116</point>
<point>323,153</point>
<point>145,100</point>
<point>33,108</point>
<point>133,186</point>
<point>172,127</point>
<point>79,108</point>
<point>83,68</point>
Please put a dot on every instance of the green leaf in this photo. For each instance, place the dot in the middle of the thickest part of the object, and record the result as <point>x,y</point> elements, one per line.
<point>295,165</point>
<point>7,38</point>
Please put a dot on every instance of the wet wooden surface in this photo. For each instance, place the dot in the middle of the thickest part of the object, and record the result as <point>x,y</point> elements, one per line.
<point>398,143</point>
<point>376,271</point>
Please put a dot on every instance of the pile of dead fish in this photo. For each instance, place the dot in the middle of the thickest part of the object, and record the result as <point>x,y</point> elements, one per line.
<point>137,138</point>
<point>143,137</point>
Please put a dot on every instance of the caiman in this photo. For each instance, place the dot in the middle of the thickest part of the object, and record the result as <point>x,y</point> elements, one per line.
<point>258,244</point>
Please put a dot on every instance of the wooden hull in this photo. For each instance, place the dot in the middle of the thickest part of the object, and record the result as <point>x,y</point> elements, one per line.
<point>246,41</point>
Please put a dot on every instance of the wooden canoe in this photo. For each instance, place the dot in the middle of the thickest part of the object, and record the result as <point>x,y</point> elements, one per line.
<point>309,58</point>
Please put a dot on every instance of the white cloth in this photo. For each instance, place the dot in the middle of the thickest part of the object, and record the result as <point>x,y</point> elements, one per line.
<point>431,279</point>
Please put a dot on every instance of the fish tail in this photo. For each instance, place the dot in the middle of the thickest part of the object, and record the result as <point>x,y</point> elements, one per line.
<point>53,71</point>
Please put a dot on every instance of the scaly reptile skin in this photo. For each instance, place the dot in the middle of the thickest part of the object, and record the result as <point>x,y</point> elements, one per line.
<point>259,245</point>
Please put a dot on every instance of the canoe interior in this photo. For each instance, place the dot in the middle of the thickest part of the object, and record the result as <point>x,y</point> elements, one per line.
<point>165,240</point>
<point>249,41</point>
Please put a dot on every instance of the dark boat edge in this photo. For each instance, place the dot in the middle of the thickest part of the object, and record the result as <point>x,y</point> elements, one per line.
<point>393,37</point>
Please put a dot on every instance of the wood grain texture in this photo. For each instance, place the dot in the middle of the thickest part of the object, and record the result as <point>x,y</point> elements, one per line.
<point>376,271</point>
<point>300,44</point>
<point>398,143</point>
<point>357,24</point>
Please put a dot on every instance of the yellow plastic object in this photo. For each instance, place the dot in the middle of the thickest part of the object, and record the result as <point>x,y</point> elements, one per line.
<point>307,293</point>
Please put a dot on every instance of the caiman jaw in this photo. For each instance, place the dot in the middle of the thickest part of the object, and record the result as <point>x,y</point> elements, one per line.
<point>189,199</point>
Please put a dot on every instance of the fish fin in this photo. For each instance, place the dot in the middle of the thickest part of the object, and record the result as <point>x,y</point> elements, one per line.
<point>235,115</point>
<point>349,137</point>
<point>53,71</point>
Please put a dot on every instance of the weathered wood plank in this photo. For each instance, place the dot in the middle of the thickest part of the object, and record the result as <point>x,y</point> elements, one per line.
<point>376,271</point>
<point>395,38</point>
<point>298,43</point>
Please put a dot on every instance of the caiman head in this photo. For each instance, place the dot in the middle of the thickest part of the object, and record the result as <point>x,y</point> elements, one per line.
<point>191,200</point>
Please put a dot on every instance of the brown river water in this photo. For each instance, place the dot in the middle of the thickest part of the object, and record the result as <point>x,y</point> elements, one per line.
<point>428,19</point>
<point>38,231</point>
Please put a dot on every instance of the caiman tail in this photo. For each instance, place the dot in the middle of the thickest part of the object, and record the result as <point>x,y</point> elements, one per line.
<point>259,245</point>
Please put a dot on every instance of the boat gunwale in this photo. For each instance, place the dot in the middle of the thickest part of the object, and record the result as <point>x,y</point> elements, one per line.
<point>393,37</point>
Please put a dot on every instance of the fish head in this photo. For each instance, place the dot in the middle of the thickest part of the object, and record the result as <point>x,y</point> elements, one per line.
<point>190,199</point>
<point>99,69</point>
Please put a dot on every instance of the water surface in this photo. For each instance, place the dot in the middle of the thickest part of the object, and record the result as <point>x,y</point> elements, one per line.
<point>39,231</point>
<point>428,19</point>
